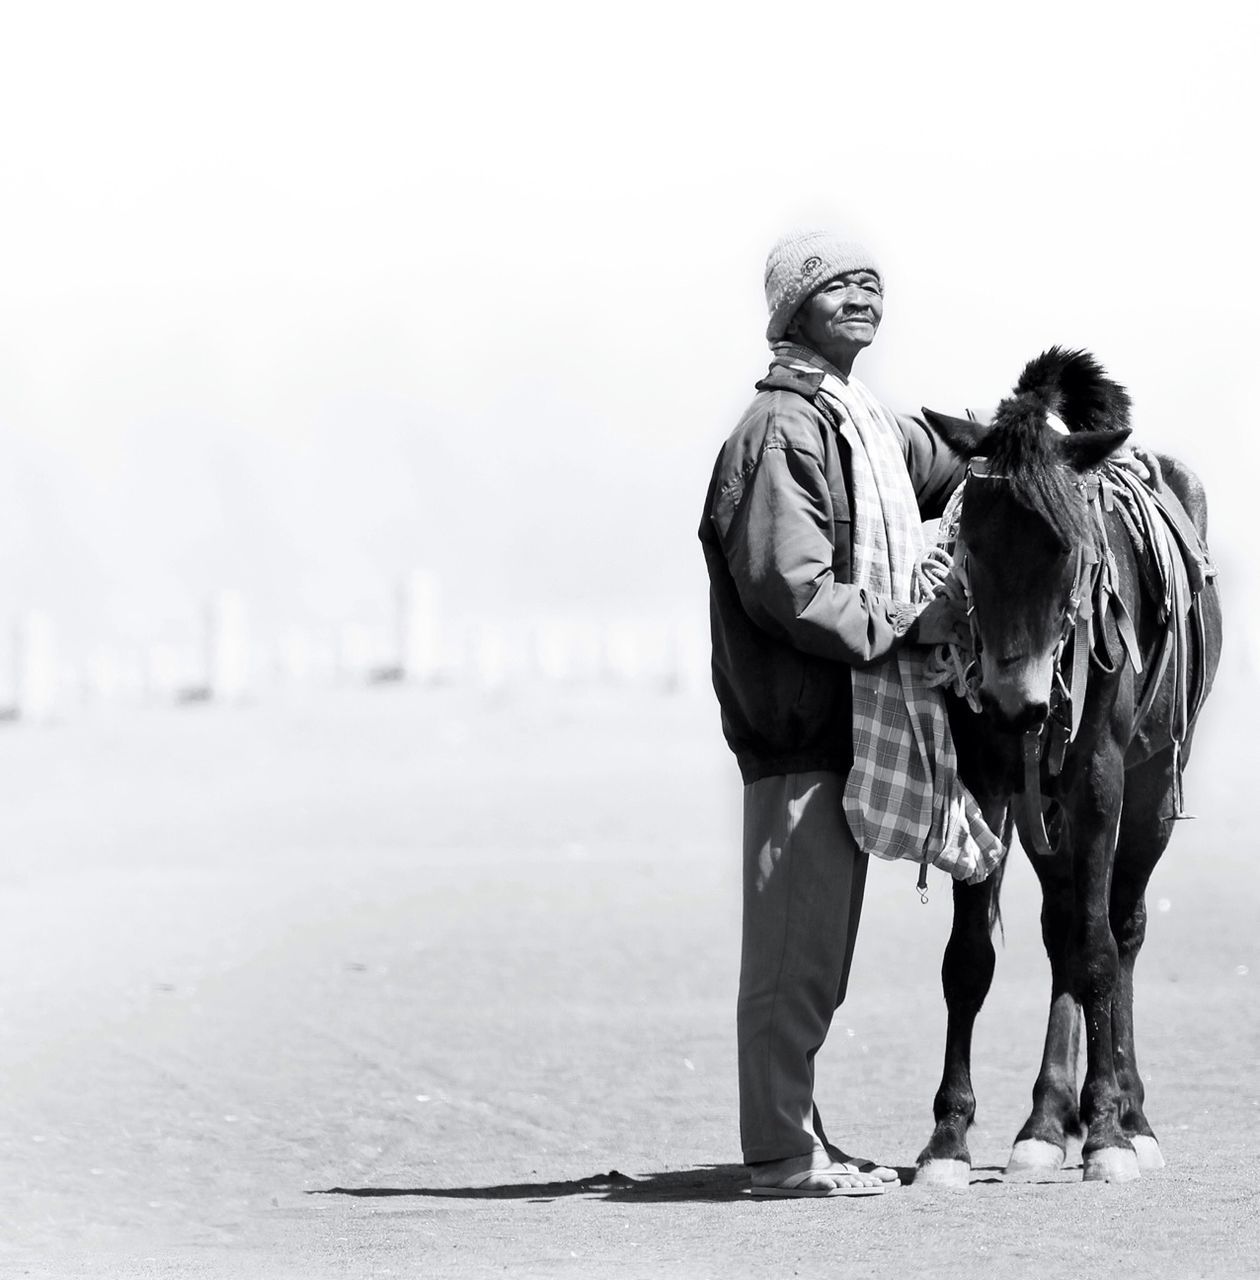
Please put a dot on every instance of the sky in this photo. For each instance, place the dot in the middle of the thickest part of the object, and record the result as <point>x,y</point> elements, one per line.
<point>299,297</point>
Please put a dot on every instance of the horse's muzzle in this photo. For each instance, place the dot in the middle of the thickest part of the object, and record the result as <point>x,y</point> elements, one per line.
<point>1027,715</point>
<point>1015,691</point>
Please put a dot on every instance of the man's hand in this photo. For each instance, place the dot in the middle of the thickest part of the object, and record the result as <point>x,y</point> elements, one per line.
<point>942,621</point>
<point>1142,462</point>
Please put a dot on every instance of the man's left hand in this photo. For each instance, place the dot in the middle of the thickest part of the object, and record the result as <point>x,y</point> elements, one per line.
<point>942,621</point>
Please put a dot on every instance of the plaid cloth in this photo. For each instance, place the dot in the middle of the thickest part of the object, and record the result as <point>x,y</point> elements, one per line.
<point>903,798</point>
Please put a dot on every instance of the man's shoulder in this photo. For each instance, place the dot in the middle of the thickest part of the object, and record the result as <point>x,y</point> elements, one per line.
<point>779,416</point>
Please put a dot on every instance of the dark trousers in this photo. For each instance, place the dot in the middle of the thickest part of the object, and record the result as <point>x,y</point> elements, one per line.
<point>803,883</point>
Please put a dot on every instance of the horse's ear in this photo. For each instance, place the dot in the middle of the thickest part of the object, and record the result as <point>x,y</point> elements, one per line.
<point>964,436</point>
<point>1083,450</point>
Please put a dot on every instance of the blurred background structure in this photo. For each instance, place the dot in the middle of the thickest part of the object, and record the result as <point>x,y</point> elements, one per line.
<point>339,341</point>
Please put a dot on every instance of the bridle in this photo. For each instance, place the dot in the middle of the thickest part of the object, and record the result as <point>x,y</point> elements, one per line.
<point>1092,591</point>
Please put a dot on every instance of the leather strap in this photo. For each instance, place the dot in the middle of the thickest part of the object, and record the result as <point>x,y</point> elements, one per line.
<point>1029,810</point>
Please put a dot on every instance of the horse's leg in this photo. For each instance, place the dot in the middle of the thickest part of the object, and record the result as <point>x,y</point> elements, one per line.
<point>966,974</point>
<point>1095,964</point>
<point>1041,1145</point>
<point>1145,828</point>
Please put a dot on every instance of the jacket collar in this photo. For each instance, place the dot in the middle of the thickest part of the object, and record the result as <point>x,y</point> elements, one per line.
<point>798,369</point>
<point>783,377</point>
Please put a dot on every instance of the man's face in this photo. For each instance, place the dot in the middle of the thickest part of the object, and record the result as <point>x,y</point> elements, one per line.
<point>842,316</point>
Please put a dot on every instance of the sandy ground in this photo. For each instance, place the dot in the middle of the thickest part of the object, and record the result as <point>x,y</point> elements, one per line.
<point>387,982</point>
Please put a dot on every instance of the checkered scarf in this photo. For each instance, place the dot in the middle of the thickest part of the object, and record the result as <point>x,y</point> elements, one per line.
<point>903,797</point>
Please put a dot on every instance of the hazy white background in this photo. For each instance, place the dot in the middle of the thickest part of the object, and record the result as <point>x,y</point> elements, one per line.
<point>296,297</point>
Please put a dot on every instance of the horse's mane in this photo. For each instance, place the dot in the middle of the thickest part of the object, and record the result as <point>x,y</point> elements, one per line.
<point>1075,386</point>
<point>1021,447</point>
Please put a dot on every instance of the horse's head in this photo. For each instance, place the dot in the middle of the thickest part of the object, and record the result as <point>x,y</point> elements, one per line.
<point>1023,525</point>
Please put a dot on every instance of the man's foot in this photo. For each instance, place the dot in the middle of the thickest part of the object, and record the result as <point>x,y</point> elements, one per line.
<point>813,1174</point>
<point>888,1176</point>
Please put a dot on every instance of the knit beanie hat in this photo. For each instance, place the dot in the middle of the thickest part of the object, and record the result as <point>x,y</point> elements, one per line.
<point>800,264</point>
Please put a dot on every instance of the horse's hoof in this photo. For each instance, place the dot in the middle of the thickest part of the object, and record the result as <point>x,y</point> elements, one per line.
<point>943,1173</point>
<point>1149,1156</point>
<point>1112,1164</point>
<point>1032,1158</point>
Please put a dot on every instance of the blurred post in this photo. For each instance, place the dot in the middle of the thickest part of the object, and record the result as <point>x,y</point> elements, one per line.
<point>688,668</point>
<point>490,658</point>
<point>107,677</point>
<point>34,666</point>
<point>418,632</point>
<point>622,652</point>
<point>301,658</point>
<point>165,671</point>
<point>354,652</point>
<point>553,650</point>
<point>227,647</point>
<point>588,650</point>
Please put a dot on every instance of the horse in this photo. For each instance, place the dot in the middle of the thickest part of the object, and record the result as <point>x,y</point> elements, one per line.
<point>1060,586</point>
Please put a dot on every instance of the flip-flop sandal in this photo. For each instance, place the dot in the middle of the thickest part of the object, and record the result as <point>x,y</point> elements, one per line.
<point>793,1186</point>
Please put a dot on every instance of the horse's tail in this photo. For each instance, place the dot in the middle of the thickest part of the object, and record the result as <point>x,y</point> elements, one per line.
<point>995,895</point>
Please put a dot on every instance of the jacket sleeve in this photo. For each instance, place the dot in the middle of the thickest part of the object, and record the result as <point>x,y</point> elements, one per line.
<point>935,469</point>
<point>779,549</point>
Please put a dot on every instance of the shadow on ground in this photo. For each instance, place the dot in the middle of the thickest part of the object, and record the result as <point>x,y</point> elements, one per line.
<point>714,1182</point>
<point>707,1183</point>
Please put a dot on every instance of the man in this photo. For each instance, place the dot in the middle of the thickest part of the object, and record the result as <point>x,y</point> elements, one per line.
<point>809,548</point>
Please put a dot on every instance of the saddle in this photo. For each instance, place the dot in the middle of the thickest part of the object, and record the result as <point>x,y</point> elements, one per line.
<point>1175,567</point>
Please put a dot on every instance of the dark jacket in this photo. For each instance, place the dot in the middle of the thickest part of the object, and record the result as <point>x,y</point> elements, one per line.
<point>787,623</point>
